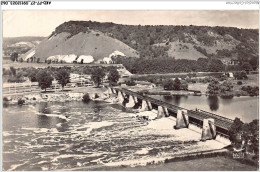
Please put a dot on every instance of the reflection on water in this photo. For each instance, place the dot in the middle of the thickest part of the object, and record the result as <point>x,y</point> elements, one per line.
<point>227,99</point>
<point>245,108</point>
<point>213,103</point>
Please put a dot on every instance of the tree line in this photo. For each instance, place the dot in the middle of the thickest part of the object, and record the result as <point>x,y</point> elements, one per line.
<point>44,77</point>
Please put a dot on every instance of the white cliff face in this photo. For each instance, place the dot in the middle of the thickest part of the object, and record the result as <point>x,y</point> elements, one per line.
<point>65,58</point>
<point>107,60</point>
<point>86,59</point>
<point>69,58</point>
<point>116,53</point>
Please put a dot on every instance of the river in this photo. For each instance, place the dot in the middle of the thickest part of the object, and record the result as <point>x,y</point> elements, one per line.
<point>69,135</point>
<point>72,135</point>
<point>246,108</point>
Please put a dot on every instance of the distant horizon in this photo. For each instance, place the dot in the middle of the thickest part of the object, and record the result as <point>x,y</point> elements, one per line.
<point>42,23</point>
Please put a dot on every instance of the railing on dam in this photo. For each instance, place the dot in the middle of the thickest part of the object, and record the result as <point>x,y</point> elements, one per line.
<point>222,123</point>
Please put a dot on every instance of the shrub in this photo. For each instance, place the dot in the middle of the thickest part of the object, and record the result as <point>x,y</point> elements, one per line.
<point>15,80</point>
<point>239,83</point>
<point>252,91</point>
<point>5,99</point>
<point>20,102</point>
<point>44,79</point>
<point>113,84</point>
<point>86,98</point>
<point>193,80</point>
<point>130,83</point>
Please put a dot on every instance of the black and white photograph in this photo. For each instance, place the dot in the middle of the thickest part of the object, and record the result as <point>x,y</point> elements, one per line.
<point>130,90</point>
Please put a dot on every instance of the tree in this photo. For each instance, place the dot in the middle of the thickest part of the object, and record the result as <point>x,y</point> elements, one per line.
<point>215,65</point>
<point>14,57</point>
<point>32,73</point>
<point>63,77</point>
<point>240,75</point>
<point>13,71</point>
<point>168,84</point>
<point>246,66</point>
<point>254,61</point>
<point>44,79</point>
<point>184,85</point>
<point>177,84</point>
<point>226,88</point>
<point>213,87</point>
<point>113,75</point>
<point>254,127</point>
<point>235,129</point>
<point>97,75</point>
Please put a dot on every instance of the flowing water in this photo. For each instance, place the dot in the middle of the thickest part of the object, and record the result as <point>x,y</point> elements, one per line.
<point>246,108</point>
<point>56,136</point>
<point>71,135</point>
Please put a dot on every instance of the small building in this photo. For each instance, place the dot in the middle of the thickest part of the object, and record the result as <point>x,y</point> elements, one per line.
<point>231,62</point>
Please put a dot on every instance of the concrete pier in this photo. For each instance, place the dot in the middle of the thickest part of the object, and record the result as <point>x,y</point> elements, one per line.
<point>132,101</point>
<point>113,91</point>
<point>182,120</point>
<point>120,97</point>
<point>208,130</point>
<point>110,90</point>
<point>146,105</point>
<point>162,112</point>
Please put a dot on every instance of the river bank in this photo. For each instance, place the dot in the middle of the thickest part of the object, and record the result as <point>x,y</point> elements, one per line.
<point>195,89</point>
<point>75,94</point>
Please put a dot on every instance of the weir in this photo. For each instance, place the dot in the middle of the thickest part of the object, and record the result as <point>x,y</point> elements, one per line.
<point>211,126</point>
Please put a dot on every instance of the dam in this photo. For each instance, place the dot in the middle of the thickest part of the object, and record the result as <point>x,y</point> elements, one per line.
<point>211,125</point>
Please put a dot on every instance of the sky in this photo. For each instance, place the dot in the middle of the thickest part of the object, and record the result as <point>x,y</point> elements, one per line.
<point>17,23</point>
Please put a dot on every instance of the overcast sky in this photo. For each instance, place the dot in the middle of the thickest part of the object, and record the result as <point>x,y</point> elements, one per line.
<point>42,22</point>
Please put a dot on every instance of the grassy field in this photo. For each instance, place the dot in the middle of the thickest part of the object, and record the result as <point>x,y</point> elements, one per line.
<point>198,86</point>
<point>219,163</point>
<point>253,80</point>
